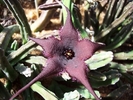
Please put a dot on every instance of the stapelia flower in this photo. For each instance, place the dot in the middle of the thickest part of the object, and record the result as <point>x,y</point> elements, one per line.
<point>66,54</point>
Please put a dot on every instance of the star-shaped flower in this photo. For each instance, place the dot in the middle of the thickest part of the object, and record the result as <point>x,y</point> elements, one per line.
<point>66,54</point>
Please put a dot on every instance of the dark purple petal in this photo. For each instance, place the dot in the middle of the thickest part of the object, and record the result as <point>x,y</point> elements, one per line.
<point>67,43</point>
<point>78,70</point>
<point>53,67</point>
<point>68,32</point>
<point>85,49</point>
<point>49,45</point>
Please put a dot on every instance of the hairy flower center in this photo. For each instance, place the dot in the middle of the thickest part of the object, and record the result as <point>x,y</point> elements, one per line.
<point>68,53</point>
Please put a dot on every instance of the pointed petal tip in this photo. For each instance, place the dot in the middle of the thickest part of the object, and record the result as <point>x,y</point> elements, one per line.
<point>86,48</point>
<point>37,40</point>
<point>32,38</point>
<point>99,45</point>
<point>96,45</point>
<point>68,30</point>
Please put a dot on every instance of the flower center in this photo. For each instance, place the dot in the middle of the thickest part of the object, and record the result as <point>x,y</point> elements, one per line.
<point>68,53</point>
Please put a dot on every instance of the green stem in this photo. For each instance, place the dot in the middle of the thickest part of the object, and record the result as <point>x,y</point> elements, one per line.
<point>19,14</point>
<point>75,20</point>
